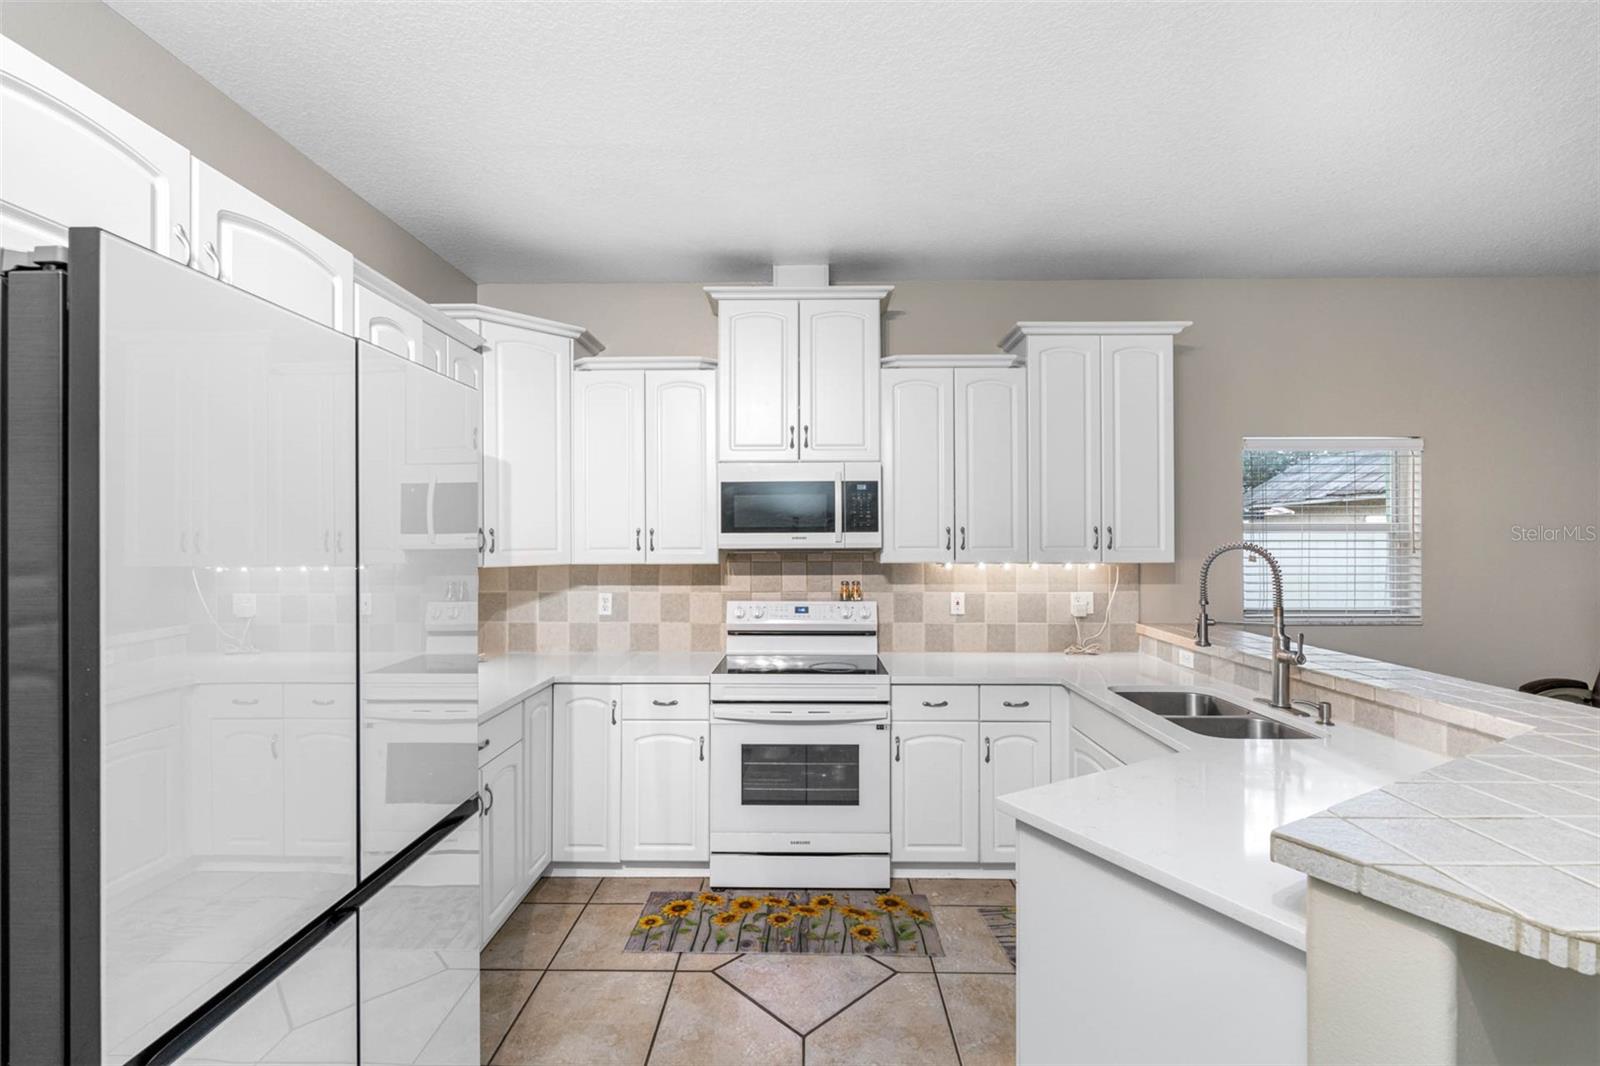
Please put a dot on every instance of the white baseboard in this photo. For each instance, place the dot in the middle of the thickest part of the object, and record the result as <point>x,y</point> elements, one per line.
<point>1003,871</point>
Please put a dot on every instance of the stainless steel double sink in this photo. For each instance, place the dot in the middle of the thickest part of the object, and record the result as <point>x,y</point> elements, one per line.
<point>1211,716</point>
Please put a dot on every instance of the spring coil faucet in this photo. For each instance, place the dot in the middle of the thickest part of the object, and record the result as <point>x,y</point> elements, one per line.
<point>1284,653</point>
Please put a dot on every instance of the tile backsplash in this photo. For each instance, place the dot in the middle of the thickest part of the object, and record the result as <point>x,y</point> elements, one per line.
<point>680,608</point>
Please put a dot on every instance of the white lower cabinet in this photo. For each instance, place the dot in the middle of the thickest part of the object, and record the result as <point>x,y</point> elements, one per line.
<point>502,784</point>
<point>246,786</point>
<point>318,813</point>
<point>536,737</point>
<point>665,808</point>
<point>143,764</point>
<point>1089,757</point>
<point>1101,740</point>
<point>1016,755</point>
<point>587,757</point>
<point>934,792</point>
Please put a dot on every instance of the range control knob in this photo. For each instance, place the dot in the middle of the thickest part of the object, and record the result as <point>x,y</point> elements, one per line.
<point>758,612</point>
<point>847,612</point>
<point>866,610</point>
<point>738,612</point>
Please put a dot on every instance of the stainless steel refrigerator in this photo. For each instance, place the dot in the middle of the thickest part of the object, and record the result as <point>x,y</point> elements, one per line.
<point>240,776</point>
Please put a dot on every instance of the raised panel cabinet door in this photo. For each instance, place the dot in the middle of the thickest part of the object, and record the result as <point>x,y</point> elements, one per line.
<point>1064,450</point>
<point>934,792</point>
<point>919,524</point>
<point>527,466</point>
<point>319,802</point>
<point>143,831</point>
<point>608,476</point>
<point>388,325</point>
<point>502,789</point>
<point>587,757</point>
<point>87,162</point>
<point>680,458</point>
<point>247,242</point>
<point>246,786</point>
<point>1016,755</point>
<point>991,419</point>
<point>841,342</point>
<point>1089,757</point>
<point>536,739</point>
<point>443,420</point>
<point>665,812</point>
<point>758,380</point>
<point>1137,495</point>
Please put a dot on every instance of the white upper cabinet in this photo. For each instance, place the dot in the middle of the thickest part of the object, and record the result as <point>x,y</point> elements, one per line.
<point>1064,450</point>
<point>680,461</point>
<point>644,464</point>
<point>245,241</point>
<point>391,326</point>
<point>797,373</point>
<point>86,162</point>
<point>1100,440</point>
<point>840,347</point>
<point>758,380</point>
<point>608,466</point>
<point>991,466</point>
<point>1137,493</point>
<point>527,432</point>
<point>919,490</point>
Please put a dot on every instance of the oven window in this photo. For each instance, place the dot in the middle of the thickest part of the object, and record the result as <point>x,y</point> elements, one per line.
<point>777,507</point>
<point>428,772</point>
<point>816,775</point>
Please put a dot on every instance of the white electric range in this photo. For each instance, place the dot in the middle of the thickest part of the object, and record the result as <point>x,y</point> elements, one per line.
<point>800,748</point>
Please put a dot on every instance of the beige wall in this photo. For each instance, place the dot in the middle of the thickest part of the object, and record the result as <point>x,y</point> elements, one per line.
<point>100,48</point>
<point>1501,376</point>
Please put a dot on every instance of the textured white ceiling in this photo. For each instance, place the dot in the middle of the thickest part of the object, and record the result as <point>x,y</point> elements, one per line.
<point>611,142</point>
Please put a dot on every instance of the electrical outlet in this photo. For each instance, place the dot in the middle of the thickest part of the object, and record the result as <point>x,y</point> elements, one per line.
<point>1082,604</point>
<point>1186,658</point>
<point>366,603</point>
<point>958,603</point>
<point>604,607</point>
<point>244,604</point>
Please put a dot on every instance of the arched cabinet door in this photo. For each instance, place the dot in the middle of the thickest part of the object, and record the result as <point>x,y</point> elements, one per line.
<point>608,522</point>
<point>681,506</point>
<point>664,791</point>
<point>758,380</point>
<point>1016,756</point>
<point>587,758</point>
<point>934,792</point>
<point>1136,426</point>
<point>991,466</point>
<point>840,348</point>
<point>918,473</point>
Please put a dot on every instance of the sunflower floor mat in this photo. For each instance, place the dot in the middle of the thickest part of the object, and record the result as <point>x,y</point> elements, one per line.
<point>796,922</point>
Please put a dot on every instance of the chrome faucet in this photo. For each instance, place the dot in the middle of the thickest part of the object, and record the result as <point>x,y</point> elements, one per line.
<point>1284,653</point>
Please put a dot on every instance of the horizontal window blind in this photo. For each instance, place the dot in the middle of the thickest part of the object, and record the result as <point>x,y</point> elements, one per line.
<point>1343,516</point>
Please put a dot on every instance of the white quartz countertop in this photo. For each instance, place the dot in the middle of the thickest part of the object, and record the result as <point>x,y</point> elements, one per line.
<point>508,679</point>
<point>123,681</point>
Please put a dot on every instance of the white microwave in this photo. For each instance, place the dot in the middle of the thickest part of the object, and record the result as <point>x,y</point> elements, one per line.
<point>766,506</point>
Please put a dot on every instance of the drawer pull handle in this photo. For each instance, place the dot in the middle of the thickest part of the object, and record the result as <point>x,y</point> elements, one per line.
<point>936,703</point>
<point>322,703</point>
<point>484,743</point>
<point>1013,703</point>
<point>664,703</point>
<point>245,703</point>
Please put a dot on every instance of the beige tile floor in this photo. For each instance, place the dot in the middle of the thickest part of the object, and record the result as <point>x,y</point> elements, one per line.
<point>559,989</point>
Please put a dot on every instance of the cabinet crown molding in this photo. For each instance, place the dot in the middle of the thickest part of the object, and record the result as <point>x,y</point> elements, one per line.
<point>587,343</point>
<point>718,293</point>
<point>986,360</point>
<point>1023,330</point>
<point>644,362</point>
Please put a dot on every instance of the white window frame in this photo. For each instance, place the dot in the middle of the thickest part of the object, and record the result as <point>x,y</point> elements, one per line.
<point>1345,561</point>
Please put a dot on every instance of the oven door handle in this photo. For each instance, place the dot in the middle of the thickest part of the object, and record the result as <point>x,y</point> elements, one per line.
<point>815,715</point>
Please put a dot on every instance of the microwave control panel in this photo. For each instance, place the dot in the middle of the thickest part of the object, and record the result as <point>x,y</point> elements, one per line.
<point>861,506</point>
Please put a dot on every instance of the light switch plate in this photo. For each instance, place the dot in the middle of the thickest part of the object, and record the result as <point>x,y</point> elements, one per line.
<point>958,603</point>
<point>1186,658</point>
<point>244,604</point>
<point>604,607</point>
<point>1082,604</point>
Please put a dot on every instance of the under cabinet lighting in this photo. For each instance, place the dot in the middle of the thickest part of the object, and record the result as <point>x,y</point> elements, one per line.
<point>982,566</point>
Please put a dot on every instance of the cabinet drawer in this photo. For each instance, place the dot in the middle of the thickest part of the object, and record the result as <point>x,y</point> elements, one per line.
<point>1119,739</point>
<point>498,734</point>
<point>239,701</point>
<point>935,703</point>
<point>1014,703</point>
<point>319,701</point>
<point>665,702</point>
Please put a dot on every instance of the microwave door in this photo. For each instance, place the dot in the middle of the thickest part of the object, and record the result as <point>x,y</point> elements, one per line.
<point>785,512</point>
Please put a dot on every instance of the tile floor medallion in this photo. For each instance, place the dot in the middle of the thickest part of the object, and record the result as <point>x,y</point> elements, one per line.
<point>1002,922</point>
<point>788,922</point>
<point>560,987</point>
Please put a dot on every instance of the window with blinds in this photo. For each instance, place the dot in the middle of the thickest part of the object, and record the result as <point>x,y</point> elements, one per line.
<point>1343,516</point>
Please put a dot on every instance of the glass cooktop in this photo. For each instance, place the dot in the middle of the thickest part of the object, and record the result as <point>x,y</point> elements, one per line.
<point>460,663</point>
<point>800,664</point>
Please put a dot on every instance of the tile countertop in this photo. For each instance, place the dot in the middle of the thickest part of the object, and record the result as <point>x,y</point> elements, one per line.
<point>508,679</point>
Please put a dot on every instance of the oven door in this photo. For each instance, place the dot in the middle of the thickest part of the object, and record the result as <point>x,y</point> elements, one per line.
<point>799,786</point>
<point>419,760</point>
<point>781,505</point>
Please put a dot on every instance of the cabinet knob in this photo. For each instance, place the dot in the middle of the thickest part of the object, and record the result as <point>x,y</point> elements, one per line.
<point>652,538</point>
<point>1111,538</point>
<point>805,437</point>
<point>613,712</point>
<point>946,538</point>
<point>1096,538</point>
<point>988,749</point>
<point>702,749</point>
<point>638,541</point>
<point>791,436</point>
<point>963,538</point>
<point>896,749</point>
<point>484,743</point>
<point>491,540</point>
